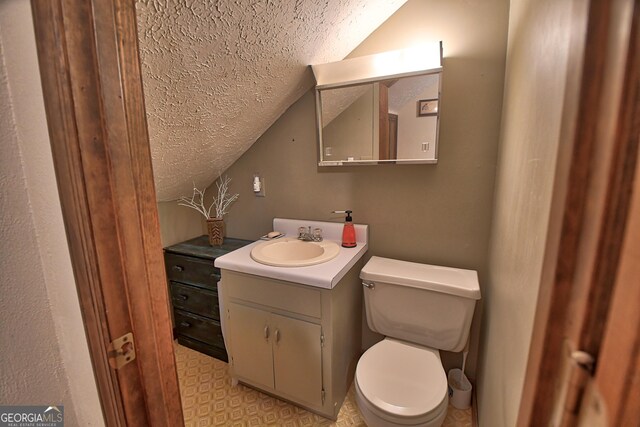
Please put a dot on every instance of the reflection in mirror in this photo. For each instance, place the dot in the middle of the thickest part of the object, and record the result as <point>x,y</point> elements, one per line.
<point>390,121</point>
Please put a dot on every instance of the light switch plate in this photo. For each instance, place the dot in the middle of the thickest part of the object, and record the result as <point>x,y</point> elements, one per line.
<point>262,192</point>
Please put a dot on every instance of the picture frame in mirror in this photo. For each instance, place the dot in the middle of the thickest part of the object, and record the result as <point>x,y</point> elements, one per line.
<point>428,107</point>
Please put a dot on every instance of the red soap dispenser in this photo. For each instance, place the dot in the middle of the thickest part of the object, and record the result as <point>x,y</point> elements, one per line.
<point>348,232</point>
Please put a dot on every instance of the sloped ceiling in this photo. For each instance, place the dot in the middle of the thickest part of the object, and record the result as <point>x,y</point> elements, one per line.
<point>217,74</point>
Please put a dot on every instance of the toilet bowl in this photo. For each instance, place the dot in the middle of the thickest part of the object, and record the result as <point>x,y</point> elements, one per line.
<point>420,309</point>
<point>401,384</point>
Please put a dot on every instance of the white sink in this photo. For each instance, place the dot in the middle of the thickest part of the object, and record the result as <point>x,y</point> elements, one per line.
<point>294,253</point>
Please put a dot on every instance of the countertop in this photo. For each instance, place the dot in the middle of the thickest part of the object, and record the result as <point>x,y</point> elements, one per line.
<point>325,275</point>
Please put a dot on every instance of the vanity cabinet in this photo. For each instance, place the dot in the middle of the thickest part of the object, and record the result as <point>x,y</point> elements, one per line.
<point>298,342</point>
<point>277,352</point>
<point>193,289</point>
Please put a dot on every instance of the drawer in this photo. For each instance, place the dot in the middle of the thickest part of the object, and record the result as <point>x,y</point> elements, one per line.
<point>213,351</point>
<point>197,271</point>
<point>294,298</point>
<point>195,300</point>
<point>200,328</point>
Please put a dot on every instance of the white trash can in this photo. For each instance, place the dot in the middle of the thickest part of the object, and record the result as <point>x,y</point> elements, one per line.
<point>459,389</point>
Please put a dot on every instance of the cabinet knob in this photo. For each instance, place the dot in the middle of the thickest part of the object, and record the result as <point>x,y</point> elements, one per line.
<point>178,268</point>
<point>266,332</point>
<point>185,324</point>
<point>183,297</point>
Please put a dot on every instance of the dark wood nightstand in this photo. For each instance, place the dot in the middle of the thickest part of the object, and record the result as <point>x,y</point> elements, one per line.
<point>193,287</point>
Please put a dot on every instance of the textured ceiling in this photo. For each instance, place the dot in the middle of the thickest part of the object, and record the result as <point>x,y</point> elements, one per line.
<point>411,89</point>
<point>335,101</point>
<point>217,74</point>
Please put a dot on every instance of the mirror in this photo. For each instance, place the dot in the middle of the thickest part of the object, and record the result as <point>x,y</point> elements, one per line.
<point>381,108</point>
<point>387,121</point>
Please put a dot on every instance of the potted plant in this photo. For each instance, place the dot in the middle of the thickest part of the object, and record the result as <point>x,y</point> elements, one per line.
<point>221,203</point>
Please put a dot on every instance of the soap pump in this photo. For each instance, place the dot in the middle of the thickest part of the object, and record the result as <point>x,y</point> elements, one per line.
<point>348,232</point>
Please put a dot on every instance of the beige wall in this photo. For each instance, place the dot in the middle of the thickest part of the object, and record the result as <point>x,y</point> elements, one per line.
<point>534,88</point>
<point>179,223</point>
<point>44,358</point>
<point>437,214</point>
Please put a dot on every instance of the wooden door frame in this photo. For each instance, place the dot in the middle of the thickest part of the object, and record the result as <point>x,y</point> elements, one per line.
<point>92,86</point>
<point>591,198</point>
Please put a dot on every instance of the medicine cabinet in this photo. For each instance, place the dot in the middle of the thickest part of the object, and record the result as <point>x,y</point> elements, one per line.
<point>382,108</point>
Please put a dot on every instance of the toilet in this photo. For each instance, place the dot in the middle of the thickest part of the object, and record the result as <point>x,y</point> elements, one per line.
<point>420,309</point>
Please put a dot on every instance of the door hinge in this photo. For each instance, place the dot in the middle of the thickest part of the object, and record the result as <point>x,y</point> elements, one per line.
<point>321,340</point>
<point>121,351</point>
<point>323,395</point>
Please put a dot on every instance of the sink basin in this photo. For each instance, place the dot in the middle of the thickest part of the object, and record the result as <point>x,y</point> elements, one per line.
<point>294,253</point>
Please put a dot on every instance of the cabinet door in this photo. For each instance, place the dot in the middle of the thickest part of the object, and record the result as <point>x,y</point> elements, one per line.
<point>297,359</point>
<point>250,344</point>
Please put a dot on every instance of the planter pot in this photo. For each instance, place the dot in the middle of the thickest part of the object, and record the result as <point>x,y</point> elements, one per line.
<point>215,227</point>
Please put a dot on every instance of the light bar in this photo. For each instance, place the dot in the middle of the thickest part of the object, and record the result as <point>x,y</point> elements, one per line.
<point>421,59</point>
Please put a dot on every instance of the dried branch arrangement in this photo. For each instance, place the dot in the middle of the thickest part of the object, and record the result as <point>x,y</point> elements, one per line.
<point>221,202</point>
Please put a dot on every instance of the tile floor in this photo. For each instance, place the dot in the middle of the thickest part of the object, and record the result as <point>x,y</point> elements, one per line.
<point>208,399</point>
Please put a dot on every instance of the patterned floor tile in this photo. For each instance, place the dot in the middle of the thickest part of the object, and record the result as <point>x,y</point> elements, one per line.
<point>208,399</point>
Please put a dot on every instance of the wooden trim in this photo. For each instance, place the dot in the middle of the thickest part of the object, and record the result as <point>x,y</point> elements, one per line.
<point>613,167</point>
<point>618,371</point>
<point>52,56</point>
<point>589,206</point>
<point>92,87</point>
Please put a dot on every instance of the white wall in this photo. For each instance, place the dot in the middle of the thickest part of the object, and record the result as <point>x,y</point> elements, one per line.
<point>413,130</point>
<point>537,52</point>
<point>44,357</point>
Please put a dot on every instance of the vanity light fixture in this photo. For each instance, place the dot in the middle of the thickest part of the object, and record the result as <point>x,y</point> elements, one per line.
<point>421,59</point>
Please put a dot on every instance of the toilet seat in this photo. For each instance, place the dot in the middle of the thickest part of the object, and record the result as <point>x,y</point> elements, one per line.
<point>402,383</point>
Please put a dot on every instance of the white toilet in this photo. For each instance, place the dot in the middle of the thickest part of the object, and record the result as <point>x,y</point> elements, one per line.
<point>420,309</point>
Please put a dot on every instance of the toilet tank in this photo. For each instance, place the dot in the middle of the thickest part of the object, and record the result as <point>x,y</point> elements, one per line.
<point>420,303</point>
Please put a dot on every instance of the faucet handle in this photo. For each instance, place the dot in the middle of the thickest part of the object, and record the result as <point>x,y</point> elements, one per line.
<point>317,234</point>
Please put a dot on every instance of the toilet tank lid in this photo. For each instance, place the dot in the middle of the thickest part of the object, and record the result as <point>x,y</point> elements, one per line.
<point>454,281</point>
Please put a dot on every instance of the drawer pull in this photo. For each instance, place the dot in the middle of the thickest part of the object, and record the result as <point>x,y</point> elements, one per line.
<point>266,332</point>
<point>185,324</point>
<point>277,335</point>
<point>178,268</point>
<point>183,297</point>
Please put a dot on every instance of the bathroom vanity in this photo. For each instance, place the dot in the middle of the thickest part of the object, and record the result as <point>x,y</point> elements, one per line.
<point>295,332</point>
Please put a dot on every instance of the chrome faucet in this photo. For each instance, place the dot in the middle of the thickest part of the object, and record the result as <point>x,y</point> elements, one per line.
<point>305,234</point>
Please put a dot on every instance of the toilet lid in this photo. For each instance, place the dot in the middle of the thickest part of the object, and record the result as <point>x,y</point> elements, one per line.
<point>401,378</point>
